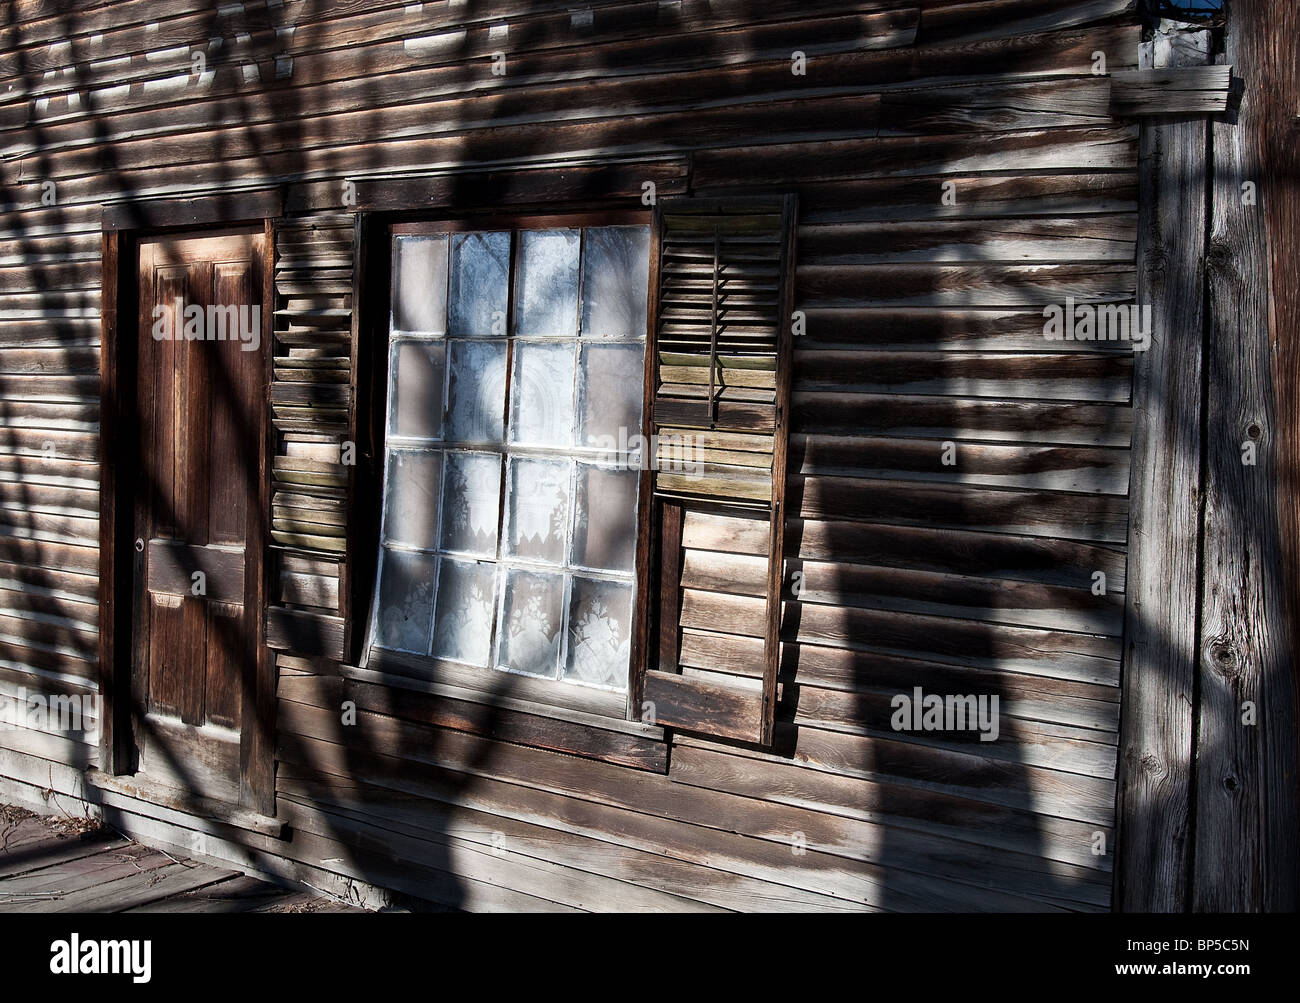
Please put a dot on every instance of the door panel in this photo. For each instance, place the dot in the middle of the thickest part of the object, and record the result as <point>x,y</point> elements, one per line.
<point>200,393</point>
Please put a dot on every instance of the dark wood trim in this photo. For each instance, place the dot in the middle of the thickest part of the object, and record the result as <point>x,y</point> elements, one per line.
<point>521,186</point>
<point>348,566</point>
<point>118,562</point>
<point>203,210</point>
<point>498,221</point>
<point>646,522</point>
<point>371,305</point>
<point>1280,136</point>
<point>780,444</point>
<point>669,592</point>
<point>257,731</point>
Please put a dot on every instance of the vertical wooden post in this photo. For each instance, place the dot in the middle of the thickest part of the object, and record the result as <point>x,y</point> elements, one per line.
<point>1245,835</point>
<point>1155,769</point>
<point>257,763</point>
<point>1274,30</point>
<point>116,387</point>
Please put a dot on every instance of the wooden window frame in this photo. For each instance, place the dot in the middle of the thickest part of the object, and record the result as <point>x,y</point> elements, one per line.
<point>124,226</point>
<point>547,695</point>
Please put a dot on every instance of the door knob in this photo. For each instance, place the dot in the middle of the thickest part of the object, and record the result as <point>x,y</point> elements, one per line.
<point>139,545</point>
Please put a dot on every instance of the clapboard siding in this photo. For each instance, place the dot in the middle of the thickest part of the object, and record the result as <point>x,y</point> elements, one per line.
<point>921,338</point>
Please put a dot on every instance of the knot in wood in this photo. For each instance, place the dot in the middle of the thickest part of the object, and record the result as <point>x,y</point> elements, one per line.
<point>1224,657</point>
<point>1219,258</point>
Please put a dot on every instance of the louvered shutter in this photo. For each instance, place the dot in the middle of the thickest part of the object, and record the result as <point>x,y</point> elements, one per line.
<point>312,416</point>
<point>720,352</point>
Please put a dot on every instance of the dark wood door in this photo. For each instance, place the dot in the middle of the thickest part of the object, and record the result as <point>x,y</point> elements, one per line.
<point>202,379</point>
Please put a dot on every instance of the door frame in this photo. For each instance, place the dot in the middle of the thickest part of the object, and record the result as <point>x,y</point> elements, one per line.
<point>124,226</point>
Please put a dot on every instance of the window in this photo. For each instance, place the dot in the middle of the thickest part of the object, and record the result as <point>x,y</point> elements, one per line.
<point>515,392</point>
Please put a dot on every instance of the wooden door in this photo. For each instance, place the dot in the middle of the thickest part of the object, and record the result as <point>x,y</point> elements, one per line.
<point>201,385</point>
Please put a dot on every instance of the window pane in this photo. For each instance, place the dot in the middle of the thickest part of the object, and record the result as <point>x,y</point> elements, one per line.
<point>420,284</point>
<point>411,509</point>
<point>480,276</point>
<point>476,408</point>
<point>405,601</point>
<point>507,542</point>
<point>471,503</point>
<point>532,610</point>
<point>415,405</point>
<point>463,627</point>
<point>600,632</point>
<point>604,527</point>
<point>538,509</point>
<point>541,412</point>
<point>548,283</point>
<point>615,277</point>
<point>610,391</point>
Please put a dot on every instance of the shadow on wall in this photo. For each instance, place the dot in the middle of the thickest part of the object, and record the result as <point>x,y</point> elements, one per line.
<point>950,822</point>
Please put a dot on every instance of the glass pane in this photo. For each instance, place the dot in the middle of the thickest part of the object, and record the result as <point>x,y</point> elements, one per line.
<point>548,283</point>
<point>615,276</point>
<point>541,409</point>
<point>604,528</point>
<point>420,284</point>
<point>405,601</point>
<point>471,503</point>
<point>480,277</point>
<point>538,509</point>
<point>415,405</point>
<point>600,632</point>
<point>477,395</point>
<point>463,626</point>
<point>532,610</point>
<point>610,388</point>
<point>411,507</point>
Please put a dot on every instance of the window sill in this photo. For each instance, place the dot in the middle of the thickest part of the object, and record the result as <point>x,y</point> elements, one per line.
<point>494,715</point>
<point>579,704</point>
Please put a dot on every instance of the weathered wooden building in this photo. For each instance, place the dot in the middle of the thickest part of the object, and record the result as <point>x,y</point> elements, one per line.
<point>555,455</point>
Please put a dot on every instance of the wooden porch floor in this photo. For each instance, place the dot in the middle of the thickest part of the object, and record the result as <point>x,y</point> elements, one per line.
<point>55,865</point>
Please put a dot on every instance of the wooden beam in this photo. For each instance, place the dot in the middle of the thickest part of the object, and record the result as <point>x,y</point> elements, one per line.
<point>455,191</point>
<point>116,554</point>
<point>1245,835</point>
<point>1272,29</point>
<point>227,207</point>
<point>1164,496</point>
<point>1191,90</point>
<point>257,740</point>
<point>188,803</point>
